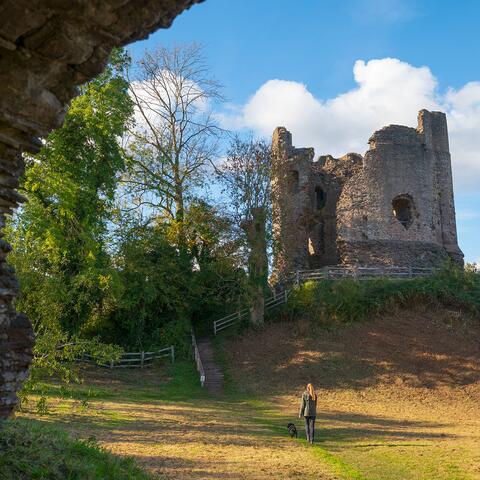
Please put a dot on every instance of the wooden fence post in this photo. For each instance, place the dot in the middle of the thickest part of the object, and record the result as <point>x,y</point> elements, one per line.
<point>111,363</point>
<point>297,278</point>
<point>142,360</point>
<point>173,353</point>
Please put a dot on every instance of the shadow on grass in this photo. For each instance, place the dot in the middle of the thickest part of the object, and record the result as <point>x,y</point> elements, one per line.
<point>235,421</point>
<point>165,383</point>
<point>418,349</point>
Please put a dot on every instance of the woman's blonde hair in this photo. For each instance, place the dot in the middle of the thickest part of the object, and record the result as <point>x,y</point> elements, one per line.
<point>311,391</point>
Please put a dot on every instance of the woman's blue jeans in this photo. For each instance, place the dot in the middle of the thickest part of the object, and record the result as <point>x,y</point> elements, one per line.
<point>310,428</point>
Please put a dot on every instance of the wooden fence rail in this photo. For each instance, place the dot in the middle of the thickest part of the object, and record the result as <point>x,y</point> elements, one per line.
<point>361,273</point>
<point>133,359</point>
<point>198,360</point>
<point>325,273</point>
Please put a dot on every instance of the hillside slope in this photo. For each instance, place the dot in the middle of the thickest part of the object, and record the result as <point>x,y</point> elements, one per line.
<point>398,396</point>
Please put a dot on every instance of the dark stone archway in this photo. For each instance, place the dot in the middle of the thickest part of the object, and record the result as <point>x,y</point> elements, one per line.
<point>47,49</point>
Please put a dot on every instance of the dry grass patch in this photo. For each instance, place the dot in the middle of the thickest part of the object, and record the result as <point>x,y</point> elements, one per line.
<point>178,431</point>
<point>398,397</point>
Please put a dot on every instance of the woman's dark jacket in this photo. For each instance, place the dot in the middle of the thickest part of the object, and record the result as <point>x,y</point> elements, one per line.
<point>309,406</point>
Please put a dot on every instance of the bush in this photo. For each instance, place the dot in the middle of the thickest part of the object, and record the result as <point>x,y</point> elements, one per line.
<point>348,300</point>
<point>31,450</point>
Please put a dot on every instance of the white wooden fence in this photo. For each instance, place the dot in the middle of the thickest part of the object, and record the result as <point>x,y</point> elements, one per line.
<point>325,273</point>
<point>361,273</point>
<point>198,360</point>
<point>133,359</point>
<point>230,320</point>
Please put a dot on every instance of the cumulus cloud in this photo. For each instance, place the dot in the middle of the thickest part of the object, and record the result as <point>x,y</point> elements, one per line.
<point>387,91</point>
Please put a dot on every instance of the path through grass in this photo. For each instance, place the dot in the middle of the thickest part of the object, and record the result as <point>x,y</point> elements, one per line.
<point>176,430</point>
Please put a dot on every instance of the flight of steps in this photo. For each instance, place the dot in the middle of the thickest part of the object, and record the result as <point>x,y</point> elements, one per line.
<point>213,372</point>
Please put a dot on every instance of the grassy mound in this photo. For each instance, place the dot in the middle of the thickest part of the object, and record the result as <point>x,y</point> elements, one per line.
<point>32,450</point>
<point>398,395</point>
<point>347,301</point>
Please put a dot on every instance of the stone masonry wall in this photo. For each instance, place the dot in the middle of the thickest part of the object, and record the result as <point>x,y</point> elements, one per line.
<point>393,206</point>
<point>291,178</point>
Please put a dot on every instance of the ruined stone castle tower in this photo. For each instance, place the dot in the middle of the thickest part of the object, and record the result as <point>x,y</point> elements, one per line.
<point>393,206</point>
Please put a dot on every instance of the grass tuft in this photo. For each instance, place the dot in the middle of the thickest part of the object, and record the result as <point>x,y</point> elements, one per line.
<point>31,450</point>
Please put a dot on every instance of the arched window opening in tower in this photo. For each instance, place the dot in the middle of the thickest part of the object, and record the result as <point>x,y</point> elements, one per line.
<point>319,198</point>
<point>293,181</point>
<point>402,207</point>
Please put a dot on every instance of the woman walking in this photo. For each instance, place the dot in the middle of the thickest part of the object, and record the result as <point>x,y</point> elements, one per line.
<point>308,409</point>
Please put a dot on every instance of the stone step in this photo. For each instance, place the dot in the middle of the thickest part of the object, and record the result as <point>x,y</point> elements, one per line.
<point>213,372</point>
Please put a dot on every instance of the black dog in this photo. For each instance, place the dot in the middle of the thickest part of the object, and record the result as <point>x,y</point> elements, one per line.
<point>292,430</point>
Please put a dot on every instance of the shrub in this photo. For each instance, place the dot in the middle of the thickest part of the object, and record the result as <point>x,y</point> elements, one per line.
<point>350,301</point>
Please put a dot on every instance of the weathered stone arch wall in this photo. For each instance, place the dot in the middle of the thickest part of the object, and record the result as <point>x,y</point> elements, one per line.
<point>47,49</point>
<point>358,225</point>
<point>408,162</point>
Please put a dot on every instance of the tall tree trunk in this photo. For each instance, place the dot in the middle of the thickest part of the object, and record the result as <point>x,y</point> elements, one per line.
<point>257,263</point>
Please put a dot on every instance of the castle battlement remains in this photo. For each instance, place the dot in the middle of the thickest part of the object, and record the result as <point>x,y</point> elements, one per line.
<point>392,206</point>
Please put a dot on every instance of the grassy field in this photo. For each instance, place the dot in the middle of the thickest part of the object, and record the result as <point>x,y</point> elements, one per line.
<point>175,430</point>
<point>398,399</point>
<point>30,450</point>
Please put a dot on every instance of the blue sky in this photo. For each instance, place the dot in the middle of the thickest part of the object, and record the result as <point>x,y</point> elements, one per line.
<point>312,47</point>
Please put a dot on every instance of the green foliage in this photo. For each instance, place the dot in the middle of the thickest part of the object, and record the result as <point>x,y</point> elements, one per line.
<point>93,275</point>
<point>60,237</point>
<point>55,354</point>
<point>245,175</point>
<point>218,279</point>
<point>155,291</point>
<point>163,288</point>
<point>32,450</point>
<point>347,300</point>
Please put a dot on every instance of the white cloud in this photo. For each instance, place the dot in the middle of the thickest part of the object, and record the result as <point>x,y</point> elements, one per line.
<point>388,91</point>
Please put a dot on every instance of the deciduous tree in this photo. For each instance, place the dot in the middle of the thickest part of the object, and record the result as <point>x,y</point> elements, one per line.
<point>175,135</point>
<point>246,176</point>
